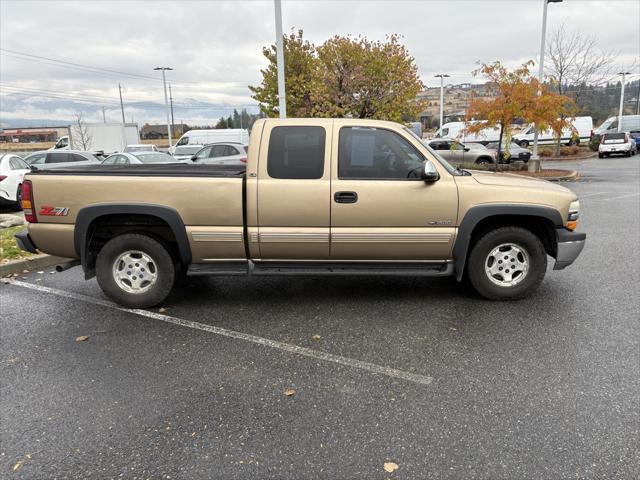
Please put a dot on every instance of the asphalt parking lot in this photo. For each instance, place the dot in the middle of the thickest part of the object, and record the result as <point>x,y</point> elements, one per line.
<point>416,372</point>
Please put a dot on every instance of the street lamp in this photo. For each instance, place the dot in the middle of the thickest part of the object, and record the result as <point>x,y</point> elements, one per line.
<point>166,101</point>
<point>282,96</point>
<point>442,76</point>
<point>534,163</point>
<point>624,74</point>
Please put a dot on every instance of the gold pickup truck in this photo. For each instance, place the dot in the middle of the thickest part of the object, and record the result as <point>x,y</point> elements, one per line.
<point>316,197</point>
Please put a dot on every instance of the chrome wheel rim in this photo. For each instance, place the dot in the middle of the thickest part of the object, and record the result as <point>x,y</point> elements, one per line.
<point>135,271</point>
<point>507,265</point>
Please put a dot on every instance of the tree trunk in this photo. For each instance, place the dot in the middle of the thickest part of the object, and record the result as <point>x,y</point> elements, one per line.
<point>499,154</point>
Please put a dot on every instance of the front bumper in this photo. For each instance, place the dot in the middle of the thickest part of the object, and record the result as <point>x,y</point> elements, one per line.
<point>24,242</point>
<point>570,244</point>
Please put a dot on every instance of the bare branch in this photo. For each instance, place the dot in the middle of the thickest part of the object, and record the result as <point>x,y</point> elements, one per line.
<point>81,133</point>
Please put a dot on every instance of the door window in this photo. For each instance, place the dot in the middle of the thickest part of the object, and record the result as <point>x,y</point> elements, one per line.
<point>219,151</point>
<point>111,160</point>
<point>296,152</point>
<point>376,154</point>
<point>37,159</point>
<point>203,153</point>
<point>183,141</point>
<point>57,157</point>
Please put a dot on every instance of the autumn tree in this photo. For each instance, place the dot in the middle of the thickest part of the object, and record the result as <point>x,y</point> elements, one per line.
<point>518,95</point>
<point>343,77</point>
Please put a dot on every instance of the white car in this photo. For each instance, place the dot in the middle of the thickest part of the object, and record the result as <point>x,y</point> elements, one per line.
<point>222,154</point>
<point>613,143</point>
<point>12,170</point>
<point>140,148</point>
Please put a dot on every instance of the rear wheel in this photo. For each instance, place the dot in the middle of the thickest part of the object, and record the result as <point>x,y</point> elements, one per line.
<point>483,161</point>
<point>600,155</point>
<point>135,271</point>
<point>507,264</point>
<point>524,143</point>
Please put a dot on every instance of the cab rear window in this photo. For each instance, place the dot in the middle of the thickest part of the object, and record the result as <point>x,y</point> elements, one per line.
<point>296,152</point>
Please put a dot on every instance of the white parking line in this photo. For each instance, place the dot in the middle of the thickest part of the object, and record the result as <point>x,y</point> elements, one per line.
<point>286,347</point>
<point>620,197</point>
<point>590,195</point>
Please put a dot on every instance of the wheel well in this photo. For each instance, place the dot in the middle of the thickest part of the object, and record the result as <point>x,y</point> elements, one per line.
<point>541,227</point>
<point>105,227</point>
<point>485,157</point>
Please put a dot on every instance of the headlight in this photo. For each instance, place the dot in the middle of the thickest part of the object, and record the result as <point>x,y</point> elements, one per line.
<point>574,214</point>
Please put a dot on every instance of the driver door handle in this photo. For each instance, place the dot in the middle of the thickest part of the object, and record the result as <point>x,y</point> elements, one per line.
<point>345,197</point>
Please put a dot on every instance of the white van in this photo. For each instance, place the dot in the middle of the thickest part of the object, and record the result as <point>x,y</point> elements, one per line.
<point>581,131</point>
<point>204,137</point>
<point>630,123</point>
<point>455,131</point>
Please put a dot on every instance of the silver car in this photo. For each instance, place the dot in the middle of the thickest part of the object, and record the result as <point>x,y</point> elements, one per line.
<point>456,152</point>
<point>185,152</point>
<point>140,158</point>
<point>49,159</point>
<point>227,153</point>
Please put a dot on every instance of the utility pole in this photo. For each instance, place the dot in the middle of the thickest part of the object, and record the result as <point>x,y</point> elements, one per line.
<point>624,74</point>
<point>104,118</point>
<point>282,97</point>
<point>442,76</point>
<point>166,100</point>
<point>121,104</point>
<point>534,162</point>
<point>171,103</point>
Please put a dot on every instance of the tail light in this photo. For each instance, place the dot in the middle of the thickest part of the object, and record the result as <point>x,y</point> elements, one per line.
<point>2,177</point>
<point>243,160</point>
<point>28,205</point>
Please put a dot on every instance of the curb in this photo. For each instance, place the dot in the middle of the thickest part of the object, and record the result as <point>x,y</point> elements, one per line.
<point>571,177</point>
<point>569,159</point>
<point>32,263</point>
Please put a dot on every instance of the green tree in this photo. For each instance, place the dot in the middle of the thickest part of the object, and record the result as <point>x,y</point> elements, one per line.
<point>344,77</point>
<point>222,123</point>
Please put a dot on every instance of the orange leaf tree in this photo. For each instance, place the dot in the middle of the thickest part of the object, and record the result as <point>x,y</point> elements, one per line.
<point>518,96</point>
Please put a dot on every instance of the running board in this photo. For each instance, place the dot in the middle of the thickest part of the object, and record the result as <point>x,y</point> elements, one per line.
<point>318,268</point>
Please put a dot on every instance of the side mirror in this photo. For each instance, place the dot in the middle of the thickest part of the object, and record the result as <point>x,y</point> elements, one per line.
<point>194,158</point>
<point>429,172</point>
<point>466,149</point>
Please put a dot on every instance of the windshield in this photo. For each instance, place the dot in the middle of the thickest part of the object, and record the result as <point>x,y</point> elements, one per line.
<point>187,150</point>
<point>614,138</point>
<point>154,157</point>
<point>442,161</point>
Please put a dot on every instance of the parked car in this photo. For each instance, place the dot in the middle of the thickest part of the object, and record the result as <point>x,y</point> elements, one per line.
<point>214,135</point>
<point>636,136</point>
<point>630,123</point>
<point>456,152</point>
<point>614,143</point>
<point>48,159</point>
<point>221,154</point>
<point>321,196</point>
<point>12,170</point>
<point>516,151</point>
<point>139,158</point>
<point>185,152</point>
<point>141,148</point>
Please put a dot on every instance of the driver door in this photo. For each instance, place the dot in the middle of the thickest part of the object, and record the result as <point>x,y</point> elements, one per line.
<point>380,207</point>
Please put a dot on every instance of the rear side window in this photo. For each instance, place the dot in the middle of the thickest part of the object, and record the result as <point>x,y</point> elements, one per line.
<point>17,164</point>
<point>296,152</point>
<point>74,157</point>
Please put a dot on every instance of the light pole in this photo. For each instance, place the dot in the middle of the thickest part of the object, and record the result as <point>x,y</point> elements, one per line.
<point>282,96</point>
<point>442,76</point>
<point>166,101</point>
<point>624,74</point>
<point>534,163</point>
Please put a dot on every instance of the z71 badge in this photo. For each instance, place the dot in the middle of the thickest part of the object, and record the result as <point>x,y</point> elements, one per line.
<point>54,211</point>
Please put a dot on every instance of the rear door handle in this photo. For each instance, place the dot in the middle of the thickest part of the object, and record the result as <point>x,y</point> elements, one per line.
<point>345,197</point>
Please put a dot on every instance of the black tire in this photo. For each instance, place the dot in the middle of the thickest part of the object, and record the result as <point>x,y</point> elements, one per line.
<point>524,143</point>
<point>162,264</point>
<point>628,153</point>
<point>523,239</point>
<point>484,161</point>
<point>600,155</point>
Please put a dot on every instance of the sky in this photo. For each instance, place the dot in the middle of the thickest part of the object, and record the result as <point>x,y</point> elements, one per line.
<point>215,47</point>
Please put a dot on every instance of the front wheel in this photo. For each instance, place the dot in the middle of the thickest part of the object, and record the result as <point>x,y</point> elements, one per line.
<point>508,263</point>
<point>135,271</point>
<point>524,143</point>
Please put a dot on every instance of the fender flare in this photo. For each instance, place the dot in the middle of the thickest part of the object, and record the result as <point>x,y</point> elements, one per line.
<point>478,213</point>
<point>88,214</point>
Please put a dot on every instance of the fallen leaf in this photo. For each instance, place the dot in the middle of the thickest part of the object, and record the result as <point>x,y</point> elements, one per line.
<point>316,337</point>
<point>40,272</point>
<point>82,338</point>
<point>390,467</point>
<point>289,392</point>
<point>12,360</point>
<point>162,310</point>
<point>25,271</point>
<point>453,329</point>
<point>18,465</point>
